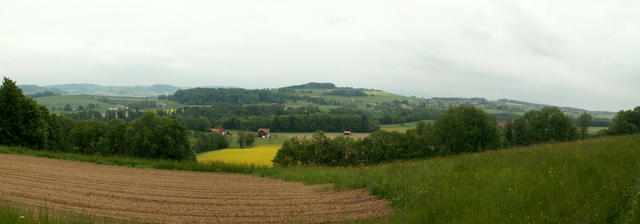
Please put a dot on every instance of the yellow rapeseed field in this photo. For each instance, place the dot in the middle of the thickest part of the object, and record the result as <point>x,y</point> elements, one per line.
<point>258,155</point>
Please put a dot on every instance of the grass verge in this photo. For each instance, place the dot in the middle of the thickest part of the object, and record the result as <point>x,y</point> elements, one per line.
<point>13,213</point>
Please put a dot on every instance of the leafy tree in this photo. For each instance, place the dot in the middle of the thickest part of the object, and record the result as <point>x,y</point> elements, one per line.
<point>540,126</point>
<point>246,139</point>
<point>153,137</point>
<point>56,138</point>
<point>85,136</point>
<point>583,122</point>
<point>67,107</point>
<point>209,141</point>
<point>466,129</point>
<point>626,122</point>
<point>22,122</point>
<point>114,140</point>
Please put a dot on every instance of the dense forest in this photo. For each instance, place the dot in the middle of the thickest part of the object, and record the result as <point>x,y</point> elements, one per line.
<point>301,119</point>
<point>208,96</point>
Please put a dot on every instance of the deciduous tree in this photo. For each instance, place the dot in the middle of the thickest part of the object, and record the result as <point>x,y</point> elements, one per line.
<point>583,123</point>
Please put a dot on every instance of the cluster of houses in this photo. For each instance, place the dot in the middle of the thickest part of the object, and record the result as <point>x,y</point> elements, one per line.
<point>262,132</point>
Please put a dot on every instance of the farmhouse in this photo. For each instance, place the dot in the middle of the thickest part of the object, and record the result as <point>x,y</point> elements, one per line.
<point>219,130</point>
<point>114,108</point>
<point>263,132</point>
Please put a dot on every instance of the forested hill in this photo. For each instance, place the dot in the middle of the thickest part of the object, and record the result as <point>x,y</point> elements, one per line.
<point>311,92</point>
<point>313,85</point>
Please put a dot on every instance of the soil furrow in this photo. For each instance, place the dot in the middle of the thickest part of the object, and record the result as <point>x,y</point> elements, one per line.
<point>162,196</point>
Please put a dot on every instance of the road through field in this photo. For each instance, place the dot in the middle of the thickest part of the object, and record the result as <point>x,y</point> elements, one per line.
<point>163,196</point>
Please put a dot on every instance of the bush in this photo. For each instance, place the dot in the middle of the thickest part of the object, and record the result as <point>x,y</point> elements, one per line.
<point>246,139</point>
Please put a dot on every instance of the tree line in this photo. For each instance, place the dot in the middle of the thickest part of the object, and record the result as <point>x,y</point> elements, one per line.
<point>25,123</point>
<point>286,123</point>
<point>347,92</point>
<point>301,119</point>
<point>462,129</point>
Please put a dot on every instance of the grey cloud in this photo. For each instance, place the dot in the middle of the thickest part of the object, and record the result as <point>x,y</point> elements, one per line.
<point>570,53</point>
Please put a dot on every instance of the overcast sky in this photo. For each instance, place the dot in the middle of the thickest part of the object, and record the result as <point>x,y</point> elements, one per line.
<point>582,53</point>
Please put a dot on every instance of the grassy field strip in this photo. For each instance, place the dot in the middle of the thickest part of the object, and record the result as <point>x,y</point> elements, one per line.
<point>258,155</point>
<point>309,134</point>
<point>11,212</point>
<point>595,130</point>
<point>401,127</point>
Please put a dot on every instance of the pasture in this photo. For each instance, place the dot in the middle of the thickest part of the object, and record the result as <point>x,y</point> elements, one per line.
<point>373,97</point>
<point>101,102</point>
<point>59,101</point>
<point>595,130</point>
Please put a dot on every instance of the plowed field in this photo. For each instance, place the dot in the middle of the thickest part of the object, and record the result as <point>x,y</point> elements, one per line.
<point>162,196</point>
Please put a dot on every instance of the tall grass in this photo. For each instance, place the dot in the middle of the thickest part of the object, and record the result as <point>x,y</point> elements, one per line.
<point>14,213</point>
<point>592,181</point>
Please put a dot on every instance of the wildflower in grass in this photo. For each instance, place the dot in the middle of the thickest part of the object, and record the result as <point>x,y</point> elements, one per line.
<point>22,217</point>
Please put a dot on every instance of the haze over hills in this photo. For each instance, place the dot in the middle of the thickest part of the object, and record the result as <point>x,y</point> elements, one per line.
<point>321,90</point>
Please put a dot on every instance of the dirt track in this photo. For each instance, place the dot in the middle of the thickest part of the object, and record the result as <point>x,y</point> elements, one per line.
<point>162,196</point>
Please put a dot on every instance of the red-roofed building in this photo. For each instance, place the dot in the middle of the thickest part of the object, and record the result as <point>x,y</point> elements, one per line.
<point>219,130</point>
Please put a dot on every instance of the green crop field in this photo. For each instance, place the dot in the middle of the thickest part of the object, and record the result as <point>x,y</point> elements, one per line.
<point>595,130</point>
<point>59,101</point>
<point>373,97</point>
<point>401,127</point>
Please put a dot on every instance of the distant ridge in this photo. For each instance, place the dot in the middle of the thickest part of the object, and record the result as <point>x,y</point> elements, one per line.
<point>100,90</point>
<point>313,85</point>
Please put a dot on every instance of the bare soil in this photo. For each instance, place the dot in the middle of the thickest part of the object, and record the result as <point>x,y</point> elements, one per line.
<point>163,196</point>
